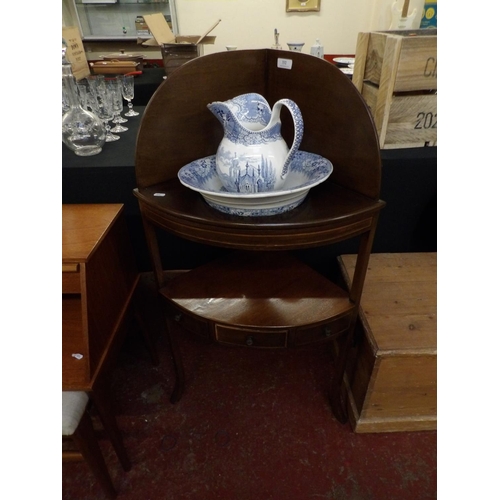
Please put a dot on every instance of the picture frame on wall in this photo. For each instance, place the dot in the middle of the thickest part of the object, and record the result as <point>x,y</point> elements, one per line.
<point>303,5</point>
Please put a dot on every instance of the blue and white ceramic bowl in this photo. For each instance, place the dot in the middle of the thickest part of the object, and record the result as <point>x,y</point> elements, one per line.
<point>306,171</point>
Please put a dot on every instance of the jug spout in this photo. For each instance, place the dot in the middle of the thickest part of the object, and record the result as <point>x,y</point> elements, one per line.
<point>223,113</point>
<point>250,111</point>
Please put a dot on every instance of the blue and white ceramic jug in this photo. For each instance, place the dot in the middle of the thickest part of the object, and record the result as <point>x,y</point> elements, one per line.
<point>253,157</point>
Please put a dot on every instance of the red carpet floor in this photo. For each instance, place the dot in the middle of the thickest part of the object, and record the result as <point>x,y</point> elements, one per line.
<point>252,425</point>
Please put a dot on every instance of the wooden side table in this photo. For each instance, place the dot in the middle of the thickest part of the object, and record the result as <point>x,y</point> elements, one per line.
<point>261,295</point>
<point>99,278</point>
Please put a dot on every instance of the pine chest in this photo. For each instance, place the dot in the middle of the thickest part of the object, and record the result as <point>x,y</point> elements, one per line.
<point>391,379</point>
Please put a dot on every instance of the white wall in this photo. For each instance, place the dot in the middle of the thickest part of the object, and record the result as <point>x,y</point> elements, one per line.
<point>250,24</point>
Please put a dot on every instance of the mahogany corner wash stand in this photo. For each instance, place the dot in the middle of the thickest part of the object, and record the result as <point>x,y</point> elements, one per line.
<point>261,295</point>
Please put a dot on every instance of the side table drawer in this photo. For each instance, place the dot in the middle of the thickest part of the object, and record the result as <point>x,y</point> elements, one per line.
<point>323,332</point>
<point>250,338</point>
<point>71,278</point>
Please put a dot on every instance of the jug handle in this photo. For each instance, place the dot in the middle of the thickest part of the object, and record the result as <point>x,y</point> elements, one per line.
<point>298,124</point>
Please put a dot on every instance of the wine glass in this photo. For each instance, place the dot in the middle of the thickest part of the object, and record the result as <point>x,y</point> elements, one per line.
<point>115,88</point>
<point>95,83</point>
<point>128,94</point>
<point>88,98</point>
<point>119,118</point>
<point>105,108</point>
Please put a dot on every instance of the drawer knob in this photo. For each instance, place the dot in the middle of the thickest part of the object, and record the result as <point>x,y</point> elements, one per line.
<point>249,340</point>
<point>327,331</point>
<point>178,317</point>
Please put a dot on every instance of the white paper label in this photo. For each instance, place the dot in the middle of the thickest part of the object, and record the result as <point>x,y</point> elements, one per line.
<point>284,63</point>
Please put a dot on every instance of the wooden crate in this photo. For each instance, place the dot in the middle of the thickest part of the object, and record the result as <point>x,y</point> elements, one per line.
<point>391,379</point>
<point>396,73</point>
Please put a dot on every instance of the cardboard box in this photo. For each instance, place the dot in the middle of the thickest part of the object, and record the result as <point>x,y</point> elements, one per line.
<point>175,50</point>
<point>162,33</point>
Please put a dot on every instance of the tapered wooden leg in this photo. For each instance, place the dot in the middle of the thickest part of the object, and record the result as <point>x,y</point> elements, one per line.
<point>85,439</point>
<point>154,254</point>
<point>177,360</point>
<point>146,335</point>
<point>101,398</point>
<point>337,396</point>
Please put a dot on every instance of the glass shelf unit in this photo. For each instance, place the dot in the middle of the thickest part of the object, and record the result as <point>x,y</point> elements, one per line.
<point>102,20</point>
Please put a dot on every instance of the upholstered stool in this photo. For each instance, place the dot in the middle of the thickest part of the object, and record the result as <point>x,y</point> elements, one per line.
<point>77,425</point>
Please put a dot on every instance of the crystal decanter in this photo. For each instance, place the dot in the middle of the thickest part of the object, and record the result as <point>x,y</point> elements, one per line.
<point>82,131</point>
